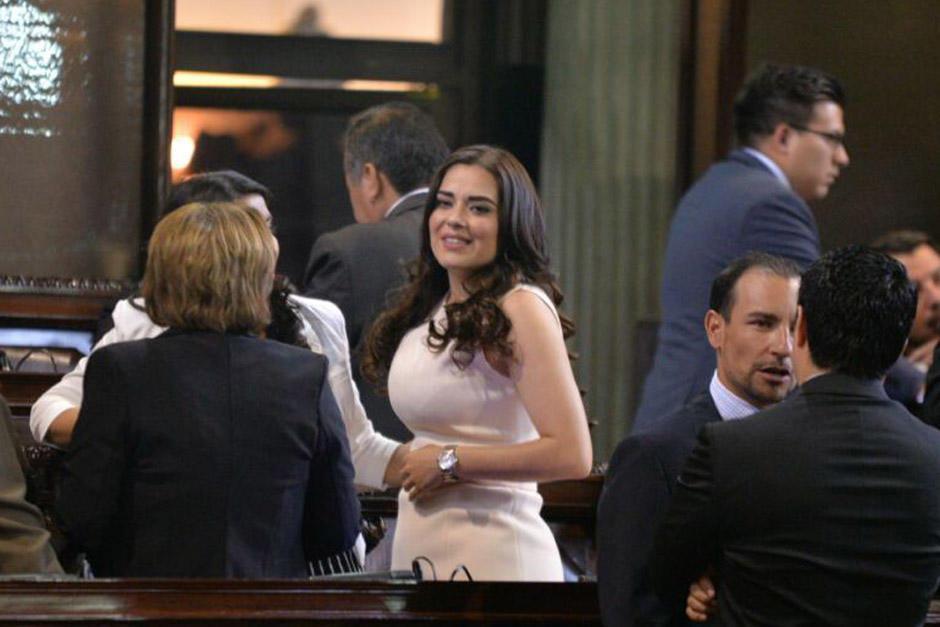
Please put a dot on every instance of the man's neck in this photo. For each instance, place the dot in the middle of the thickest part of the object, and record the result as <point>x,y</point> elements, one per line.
<point>809,371</point>
<point>730,406</point>
<point>769,163</point>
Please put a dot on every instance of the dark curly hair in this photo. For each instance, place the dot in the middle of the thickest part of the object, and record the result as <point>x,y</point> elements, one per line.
<point>285,324</point>
<point>858,306</point>
<point>478,323</point>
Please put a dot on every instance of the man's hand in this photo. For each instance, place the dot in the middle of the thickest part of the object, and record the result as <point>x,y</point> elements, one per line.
<point>701,603</point>
<point>420,472</point>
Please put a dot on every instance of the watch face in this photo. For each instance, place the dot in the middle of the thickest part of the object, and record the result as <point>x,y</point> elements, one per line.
<point>447,460</point>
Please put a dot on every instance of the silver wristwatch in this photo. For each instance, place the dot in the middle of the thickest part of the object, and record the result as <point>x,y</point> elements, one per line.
<point>447,463</point>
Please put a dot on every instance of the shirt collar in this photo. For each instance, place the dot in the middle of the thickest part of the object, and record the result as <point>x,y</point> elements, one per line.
<point>401,199</point>
<point>729,405</point>
<point>769,164</point>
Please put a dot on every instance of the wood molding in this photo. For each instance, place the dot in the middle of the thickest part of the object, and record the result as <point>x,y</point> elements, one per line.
<point>331,601</point>
<point>714,64</point>
<point>159,19</point>
<point>298,56</point>
<point>563,501</point>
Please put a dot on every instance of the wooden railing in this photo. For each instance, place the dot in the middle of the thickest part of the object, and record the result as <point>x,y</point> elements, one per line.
<point>334,602</point>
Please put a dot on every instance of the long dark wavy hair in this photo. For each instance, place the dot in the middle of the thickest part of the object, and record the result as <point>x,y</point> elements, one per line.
<point>285,324</point>
<point>478,323</point>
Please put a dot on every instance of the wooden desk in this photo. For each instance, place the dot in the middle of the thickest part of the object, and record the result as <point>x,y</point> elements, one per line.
<point>205,602</point>
<point>21,389</point>
<point>564,501</point>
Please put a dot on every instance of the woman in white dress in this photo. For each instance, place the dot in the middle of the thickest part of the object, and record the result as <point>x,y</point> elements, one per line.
<point>474,357</point>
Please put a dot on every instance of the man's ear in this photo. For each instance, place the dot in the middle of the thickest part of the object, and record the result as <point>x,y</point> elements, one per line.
<point>799,335</point>
<point>715,328</point>
<point>370,182</point>
<point>782,137</point>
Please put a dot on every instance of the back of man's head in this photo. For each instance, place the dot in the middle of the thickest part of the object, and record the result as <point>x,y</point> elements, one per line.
<point>781,93</point>
<point>721,298</point>
<point>858,306</point>
<point>902,242</point>
<point>399,139</point>
<point>219,186</point>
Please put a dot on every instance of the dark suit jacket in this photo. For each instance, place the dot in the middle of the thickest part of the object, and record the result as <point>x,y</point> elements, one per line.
<point>823,510</point>
<point>903,383</point>
<point>738,206</point>
<point>931,408</point>
<point>24,541</point>
<point>200,454</point>
<point>356,267</point>
<point>637,489</point>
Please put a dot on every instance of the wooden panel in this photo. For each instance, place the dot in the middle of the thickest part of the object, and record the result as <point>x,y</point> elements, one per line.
<point>564,501</point>
<point>21,389</point>
<point>718,39</point>
<point>53,312</point>
<point>314,57</point>
<point>891,116</point>
<point>195,602</point>
<point>49,303</point>
<point>159,17</point>
<point>286,98</point>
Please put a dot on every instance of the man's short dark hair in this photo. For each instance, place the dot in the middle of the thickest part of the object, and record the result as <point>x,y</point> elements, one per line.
<point>722,293</point>
<point>858,306</point>
<point>399,139</point>
<point>902,242</point>
<point>218,186</point>
<point>781,93</point>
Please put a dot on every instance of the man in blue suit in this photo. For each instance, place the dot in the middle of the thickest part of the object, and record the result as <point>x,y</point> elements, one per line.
<point>788,122</point>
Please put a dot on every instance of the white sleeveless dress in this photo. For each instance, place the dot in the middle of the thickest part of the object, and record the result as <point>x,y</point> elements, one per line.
<point>491,527</point>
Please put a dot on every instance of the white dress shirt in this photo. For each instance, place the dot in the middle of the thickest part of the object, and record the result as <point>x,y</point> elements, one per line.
<point>770,165</point>
<point>325,332</point>
<point>729,405</point>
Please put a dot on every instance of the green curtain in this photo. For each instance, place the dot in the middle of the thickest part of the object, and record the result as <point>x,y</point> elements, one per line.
<point>608,182</point>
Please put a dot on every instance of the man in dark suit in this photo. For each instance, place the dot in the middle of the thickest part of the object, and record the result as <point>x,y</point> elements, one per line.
<point>788,121</point>
<point>390,153</point>
<point>752,308</point>
<point>825,509</point>
<point>918,252</point>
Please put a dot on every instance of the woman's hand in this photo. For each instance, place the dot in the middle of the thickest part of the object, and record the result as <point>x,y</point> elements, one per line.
<point>420,472</point>
<point>701,604</point>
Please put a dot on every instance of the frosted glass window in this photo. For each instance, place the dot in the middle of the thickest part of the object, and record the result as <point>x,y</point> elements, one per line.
<point>71,111</point>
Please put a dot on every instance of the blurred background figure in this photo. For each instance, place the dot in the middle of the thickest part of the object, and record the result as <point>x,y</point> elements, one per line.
<point>24,540</point>
<point>390,153</point>
<point>918,252</point>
